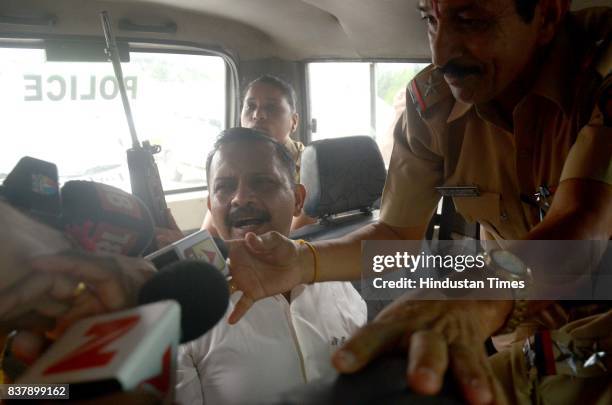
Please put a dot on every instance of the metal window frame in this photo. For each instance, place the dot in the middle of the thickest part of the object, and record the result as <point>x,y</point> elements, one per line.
<point>372,85</point>
<point>37,41</point>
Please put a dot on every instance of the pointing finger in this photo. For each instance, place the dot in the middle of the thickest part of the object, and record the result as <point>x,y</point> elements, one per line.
<point>369,342</point>
<point>427,361</point>
<point>241,308</point>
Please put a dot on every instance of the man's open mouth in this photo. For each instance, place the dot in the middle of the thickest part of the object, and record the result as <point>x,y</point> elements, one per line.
<point>247,219</point>
<point>248,222</point>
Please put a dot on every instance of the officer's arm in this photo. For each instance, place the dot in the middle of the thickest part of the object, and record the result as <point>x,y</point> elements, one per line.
<point>340,259</point>
<point>581,210</point>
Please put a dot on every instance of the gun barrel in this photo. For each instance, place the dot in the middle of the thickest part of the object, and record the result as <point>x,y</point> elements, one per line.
<point>113,53</point>
<point>107,29</point>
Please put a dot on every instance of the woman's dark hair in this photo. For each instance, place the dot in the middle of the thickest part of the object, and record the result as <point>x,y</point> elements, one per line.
<point>277,82</point>
<point>526,9</point>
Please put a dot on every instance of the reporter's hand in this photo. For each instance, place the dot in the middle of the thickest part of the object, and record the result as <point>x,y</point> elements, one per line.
<point>437,335</point>
<point>264,265</point>
<point>111,283</point>
<point>47,293</point>
<point>35,301</point>
<point>111,279</point>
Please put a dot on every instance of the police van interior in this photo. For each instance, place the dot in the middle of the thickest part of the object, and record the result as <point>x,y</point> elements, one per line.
<point>185,66</point>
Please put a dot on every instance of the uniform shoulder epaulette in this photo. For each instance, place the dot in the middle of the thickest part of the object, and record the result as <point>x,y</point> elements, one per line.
<point>604,100</point>
<point>593,24</point>
<point>427,89</point>
<point>599,60</point>
<point>603,63</point>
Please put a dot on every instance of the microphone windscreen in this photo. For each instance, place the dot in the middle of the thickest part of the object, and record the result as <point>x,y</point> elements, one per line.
<point>200,289</point>
<point>105,219</point>
<point>33,186</point>
<point>221,246</point>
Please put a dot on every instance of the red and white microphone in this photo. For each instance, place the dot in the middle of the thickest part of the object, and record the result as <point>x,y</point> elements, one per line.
<point>120,351</point>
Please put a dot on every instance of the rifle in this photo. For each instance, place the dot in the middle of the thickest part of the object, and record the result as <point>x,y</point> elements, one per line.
<point>144,175</point>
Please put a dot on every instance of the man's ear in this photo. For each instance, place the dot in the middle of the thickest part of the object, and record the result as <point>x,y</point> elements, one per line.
<point>300,197</point>
<point>295,120</point>
<point>551,14</point>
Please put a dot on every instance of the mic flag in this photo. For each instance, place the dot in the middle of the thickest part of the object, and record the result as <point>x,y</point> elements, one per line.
<point>102,218</point>
<point>199,245</point>
<point>32,186</point>
<point>119,351</point>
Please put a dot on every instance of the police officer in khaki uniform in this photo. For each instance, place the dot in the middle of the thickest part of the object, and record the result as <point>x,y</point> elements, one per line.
<point>513,118</point>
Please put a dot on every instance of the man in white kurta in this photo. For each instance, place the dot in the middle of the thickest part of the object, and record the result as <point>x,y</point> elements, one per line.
<point>284,340</point>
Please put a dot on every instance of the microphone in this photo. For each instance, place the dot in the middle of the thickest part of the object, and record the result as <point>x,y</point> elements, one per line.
<point>199,245</point>
<point>222,247</point>
<point>200,289</point>
<point>120,351</point>
<point>32,186</point>
<point>102,218</point>
<point>136,348</point>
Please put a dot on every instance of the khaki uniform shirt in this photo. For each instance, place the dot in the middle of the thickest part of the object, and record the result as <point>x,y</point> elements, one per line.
<point>561,131</point>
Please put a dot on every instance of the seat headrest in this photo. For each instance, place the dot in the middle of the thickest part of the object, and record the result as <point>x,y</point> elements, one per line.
<point>341,174</point>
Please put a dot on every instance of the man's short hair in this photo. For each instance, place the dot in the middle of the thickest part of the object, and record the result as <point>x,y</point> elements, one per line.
<point>283,86</point>
<point>240,134</point>
<point>526,8</point>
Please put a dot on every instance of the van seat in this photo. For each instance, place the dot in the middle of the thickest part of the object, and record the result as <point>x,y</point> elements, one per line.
<point>344,179</point>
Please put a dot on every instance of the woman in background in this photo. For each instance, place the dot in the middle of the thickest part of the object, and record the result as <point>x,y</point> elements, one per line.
<point>269,106</point>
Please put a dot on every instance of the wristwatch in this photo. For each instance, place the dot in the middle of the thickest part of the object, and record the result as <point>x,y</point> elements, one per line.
<point>510,267</point>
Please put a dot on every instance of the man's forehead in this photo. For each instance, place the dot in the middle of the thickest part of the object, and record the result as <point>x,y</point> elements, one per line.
<point>436,6</point>
<point>245,156</point>
<point>277,98</point>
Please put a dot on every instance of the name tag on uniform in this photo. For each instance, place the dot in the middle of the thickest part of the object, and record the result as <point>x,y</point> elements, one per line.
<point>459,191</point>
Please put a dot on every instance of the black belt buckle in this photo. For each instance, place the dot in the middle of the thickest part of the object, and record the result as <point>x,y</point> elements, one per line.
<point>458,191</point>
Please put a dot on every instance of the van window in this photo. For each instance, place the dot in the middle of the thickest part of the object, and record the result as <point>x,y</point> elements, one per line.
<point>70,113</point>
<point>357,98</point>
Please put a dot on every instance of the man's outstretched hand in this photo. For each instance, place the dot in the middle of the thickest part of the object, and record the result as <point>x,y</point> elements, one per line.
<point>438,336</point>
<point>265,265</point>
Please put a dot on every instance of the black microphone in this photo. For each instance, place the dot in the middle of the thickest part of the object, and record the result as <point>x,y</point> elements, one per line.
<point>32,186</point>
<point>200,289</point>
<point>102,218</point>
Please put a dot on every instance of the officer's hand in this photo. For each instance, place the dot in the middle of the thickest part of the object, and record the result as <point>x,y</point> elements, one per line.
<point>262,266</point>
<point>438,335</point>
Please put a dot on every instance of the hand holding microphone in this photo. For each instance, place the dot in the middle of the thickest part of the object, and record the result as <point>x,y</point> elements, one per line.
<point>98,218</point>
<point>101,219</point>
<point>136,348</point>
